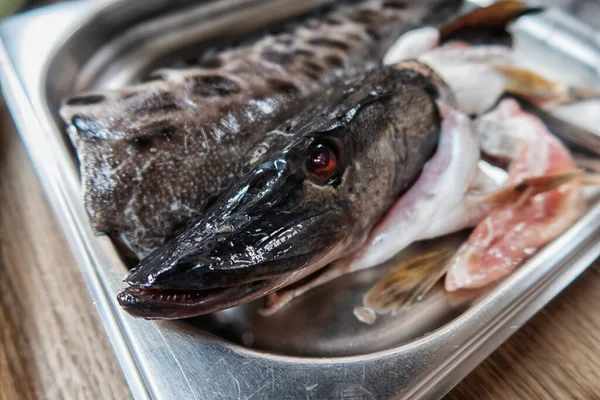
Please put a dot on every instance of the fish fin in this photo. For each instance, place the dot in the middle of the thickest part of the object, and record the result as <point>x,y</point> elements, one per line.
<point>520,192</point>
<point>487,24</point>
<point>408,282</point>
<point>540,90</point>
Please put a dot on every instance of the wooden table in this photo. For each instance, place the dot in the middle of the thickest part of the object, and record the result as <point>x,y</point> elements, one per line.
<point>52,344</point>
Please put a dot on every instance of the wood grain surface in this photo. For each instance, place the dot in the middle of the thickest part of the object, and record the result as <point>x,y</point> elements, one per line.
<point>53,346</point>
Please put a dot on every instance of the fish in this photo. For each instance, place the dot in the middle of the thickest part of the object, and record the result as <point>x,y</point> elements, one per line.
<point>307,195</point>
<point>510,235</point>
<point>279,221</point>
<point>154,155</point>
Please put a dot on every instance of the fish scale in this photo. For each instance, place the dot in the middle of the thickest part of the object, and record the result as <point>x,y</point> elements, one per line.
<point>153,155</point>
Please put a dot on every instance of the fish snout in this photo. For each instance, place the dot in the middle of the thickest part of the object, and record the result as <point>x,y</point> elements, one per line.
<point>222,266</point>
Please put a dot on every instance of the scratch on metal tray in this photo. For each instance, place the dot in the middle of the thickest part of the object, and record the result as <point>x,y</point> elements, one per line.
<point>237,383</point>
<point>176,361</point>
<point>368,392</point>
<point>272,381</point>
<point>309,389</point>
<point>258,391</point>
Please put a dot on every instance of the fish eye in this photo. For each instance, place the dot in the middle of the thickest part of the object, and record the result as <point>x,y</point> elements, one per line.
<point>321,163</point>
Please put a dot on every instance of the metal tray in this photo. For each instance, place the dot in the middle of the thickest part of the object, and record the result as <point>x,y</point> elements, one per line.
<point>315,348</point>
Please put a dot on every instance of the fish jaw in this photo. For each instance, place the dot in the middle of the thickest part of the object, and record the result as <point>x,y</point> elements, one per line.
<point>511,234</point>
<point>439,191</point>
<point>175,304</point>
<point>282,219</point>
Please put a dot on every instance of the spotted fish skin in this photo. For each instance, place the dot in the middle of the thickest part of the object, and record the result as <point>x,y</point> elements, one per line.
<point>153,155</point>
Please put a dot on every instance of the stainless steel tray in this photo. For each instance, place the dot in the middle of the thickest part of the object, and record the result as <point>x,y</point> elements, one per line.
<point>315,348</point>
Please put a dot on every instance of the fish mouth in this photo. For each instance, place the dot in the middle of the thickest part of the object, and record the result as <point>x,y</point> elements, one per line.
<point>172,285</point>
<point>156,303</point>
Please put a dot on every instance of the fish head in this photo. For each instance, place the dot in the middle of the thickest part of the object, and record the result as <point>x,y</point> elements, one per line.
<point>305,196</point>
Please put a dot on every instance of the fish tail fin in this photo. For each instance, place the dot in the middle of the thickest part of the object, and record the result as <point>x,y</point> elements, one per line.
<point>487,24</point>
<point>529,187</point>
<point>542,91</point>
<point>408,282</point>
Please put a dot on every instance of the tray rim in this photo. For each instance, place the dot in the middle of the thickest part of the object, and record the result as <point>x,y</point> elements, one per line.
<point>28,119</point>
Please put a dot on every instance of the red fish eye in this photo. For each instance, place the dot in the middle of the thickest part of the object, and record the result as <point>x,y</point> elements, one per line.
<point>321,163</point>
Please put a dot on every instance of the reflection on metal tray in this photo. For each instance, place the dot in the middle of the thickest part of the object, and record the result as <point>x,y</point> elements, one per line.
<point>315,348</point>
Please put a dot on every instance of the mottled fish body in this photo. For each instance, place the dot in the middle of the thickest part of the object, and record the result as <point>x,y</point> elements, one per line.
<point>153,155</point>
